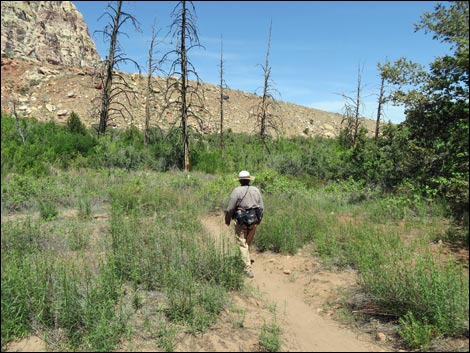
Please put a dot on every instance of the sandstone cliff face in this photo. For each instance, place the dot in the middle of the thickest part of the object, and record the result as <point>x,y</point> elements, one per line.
<point>47,31</point>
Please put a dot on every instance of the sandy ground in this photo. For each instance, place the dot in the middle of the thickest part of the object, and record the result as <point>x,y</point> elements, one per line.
<point>293,292</point>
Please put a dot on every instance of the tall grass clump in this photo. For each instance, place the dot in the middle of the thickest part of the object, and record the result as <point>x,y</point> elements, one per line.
<point>44,290</point>
<point>422,289</point>
<point>19,192</point>
<point>192,301</point>
<point>269,339</point>
<point>158,244</point>
<point>104,318</point>
<point>16,315</point>
<point>48,210</point>
<point>284,229</point>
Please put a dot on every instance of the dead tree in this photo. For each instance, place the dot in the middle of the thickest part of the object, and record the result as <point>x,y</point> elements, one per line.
<point>189,97</point>
<point>381,101</point>
<point>351,116</point>
<point>222,85</point>
<point>266,120</point>
<point>152,68</point>
<point>114,84</point>
<point>18,124</point>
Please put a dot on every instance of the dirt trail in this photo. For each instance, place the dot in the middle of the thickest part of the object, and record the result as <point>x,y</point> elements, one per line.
<point>294,292</point>
<point>303,323</point>
<point>299,289</point>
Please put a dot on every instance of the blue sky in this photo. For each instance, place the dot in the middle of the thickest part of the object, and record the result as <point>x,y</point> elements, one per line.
<point>317,47</point>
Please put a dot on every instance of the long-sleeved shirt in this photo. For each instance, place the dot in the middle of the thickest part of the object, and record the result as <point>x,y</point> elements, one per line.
<point>244,197</point>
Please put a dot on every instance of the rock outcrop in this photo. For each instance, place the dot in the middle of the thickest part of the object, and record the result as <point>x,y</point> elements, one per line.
<point>47,31</point>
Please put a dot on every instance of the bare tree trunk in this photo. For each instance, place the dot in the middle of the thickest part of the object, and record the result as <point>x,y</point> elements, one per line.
<point>379,110</point>
<point>221,95</point>
<point>184,75</point>
<point>108,79</point>
<point>351,116</point>
<point>113,92</point>
<point>264,112</point>
<point>190,97</point>
<point>147,111</point>
<point>267,72</point>
<point>357,106</point>
<point>18,126</point>
<point>149,90</point>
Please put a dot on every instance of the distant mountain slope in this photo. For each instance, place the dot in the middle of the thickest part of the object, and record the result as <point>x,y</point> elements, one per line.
<point>48,92</point>
<point>48,70</point>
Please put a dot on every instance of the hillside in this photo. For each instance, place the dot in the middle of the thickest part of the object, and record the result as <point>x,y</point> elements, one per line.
<point>47,92</point>
<point>48,70</point>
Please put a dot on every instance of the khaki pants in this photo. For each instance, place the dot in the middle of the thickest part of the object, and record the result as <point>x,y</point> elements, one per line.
<point>245,235</point>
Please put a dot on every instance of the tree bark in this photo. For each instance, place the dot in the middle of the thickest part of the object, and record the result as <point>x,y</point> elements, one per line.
<point>379,110</point>
<point>184,107</point>
<point>105,100</point>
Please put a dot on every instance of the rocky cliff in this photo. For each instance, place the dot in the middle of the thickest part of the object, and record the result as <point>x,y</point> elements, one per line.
<point>47,31</point>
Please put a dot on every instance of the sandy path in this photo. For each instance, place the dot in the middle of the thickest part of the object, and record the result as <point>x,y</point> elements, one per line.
<point>299,289</point>
<point>303,325</point>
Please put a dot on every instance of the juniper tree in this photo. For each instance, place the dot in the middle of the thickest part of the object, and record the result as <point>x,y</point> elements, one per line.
<point>436,103</point>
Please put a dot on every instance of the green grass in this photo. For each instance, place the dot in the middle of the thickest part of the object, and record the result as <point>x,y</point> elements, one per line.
<point>270,340</point>
<point>54,279</point>
<point>56,276</point>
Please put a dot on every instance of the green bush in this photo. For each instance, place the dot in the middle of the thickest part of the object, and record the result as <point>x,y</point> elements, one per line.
<point>48,210</point>
<point>417,334</point>
<point>75,125</point>
<point>45,145</point>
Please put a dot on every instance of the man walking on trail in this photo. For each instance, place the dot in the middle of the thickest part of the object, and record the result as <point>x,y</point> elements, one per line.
<point>247,208</point>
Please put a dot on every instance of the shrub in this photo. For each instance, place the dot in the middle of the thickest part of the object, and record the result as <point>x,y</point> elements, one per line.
<point>417,334</point>
<point>48,210</point>
<point>75,125</point>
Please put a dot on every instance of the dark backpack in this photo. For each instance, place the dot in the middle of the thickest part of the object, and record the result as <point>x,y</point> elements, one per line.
<point>247,217</point>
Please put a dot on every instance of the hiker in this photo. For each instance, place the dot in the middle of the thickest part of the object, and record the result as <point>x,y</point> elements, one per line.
<point>246,207</point>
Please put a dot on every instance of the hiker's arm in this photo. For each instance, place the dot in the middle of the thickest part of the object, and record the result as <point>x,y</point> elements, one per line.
<point>231,207</point>
<point>261,208</point>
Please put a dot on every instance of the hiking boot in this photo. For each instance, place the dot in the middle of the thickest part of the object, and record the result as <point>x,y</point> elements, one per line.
<point>249,274</point>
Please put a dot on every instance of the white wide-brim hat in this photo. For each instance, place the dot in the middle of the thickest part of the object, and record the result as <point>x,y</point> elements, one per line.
<point>244,174</point>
